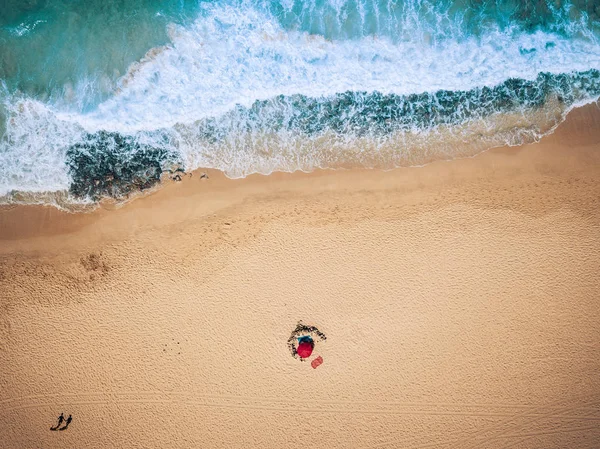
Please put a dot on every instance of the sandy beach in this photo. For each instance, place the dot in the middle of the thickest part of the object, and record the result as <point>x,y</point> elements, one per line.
<point>459,303</point>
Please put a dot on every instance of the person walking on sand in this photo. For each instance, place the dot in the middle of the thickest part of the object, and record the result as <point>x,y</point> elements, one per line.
<point>61,418</point>
<point>67,422</point>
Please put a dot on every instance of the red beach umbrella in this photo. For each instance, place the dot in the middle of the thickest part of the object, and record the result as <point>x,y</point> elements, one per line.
<point>305,349</point>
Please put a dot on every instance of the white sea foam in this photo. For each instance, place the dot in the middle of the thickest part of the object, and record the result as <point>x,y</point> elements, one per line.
<point>32,155</point>
<point>237,56</point>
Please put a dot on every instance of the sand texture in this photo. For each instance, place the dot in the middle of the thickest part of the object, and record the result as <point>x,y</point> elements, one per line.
<point>460,304</point>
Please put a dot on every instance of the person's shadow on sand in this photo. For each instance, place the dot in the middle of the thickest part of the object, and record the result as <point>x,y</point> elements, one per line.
<point>61,418</point>
<point>67,422</point>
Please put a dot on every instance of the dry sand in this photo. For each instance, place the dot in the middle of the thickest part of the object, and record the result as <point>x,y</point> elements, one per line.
<point>460,303</point>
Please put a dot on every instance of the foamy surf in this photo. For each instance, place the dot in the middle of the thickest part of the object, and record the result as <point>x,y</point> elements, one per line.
<point>262,87</point>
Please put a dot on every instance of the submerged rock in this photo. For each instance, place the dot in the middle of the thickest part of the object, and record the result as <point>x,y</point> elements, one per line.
<point>108,164</point>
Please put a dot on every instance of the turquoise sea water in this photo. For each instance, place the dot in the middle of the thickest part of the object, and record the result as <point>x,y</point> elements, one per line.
<point>99,97</point>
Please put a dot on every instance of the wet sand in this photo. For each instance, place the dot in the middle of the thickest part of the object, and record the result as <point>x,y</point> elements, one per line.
<point>459,301</point>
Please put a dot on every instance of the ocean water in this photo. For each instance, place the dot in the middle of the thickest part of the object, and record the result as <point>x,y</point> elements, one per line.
<point>100,98</point>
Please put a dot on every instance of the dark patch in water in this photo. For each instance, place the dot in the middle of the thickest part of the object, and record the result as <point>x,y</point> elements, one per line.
<point>374,113</point>
<point>107,164</point>
<point>527,51</point>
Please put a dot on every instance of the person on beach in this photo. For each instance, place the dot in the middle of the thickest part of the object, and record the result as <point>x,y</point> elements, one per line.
<point>61,418</point>
<point>69,419</point>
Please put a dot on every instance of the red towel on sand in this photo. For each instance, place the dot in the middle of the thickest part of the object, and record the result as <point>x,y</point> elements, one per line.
<point>316,362</point>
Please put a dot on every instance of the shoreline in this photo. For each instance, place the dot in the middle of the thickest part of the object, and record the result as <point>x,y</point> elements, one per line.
<point>579,128</point>
<point>64,201</point>
<point>459,301</point>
